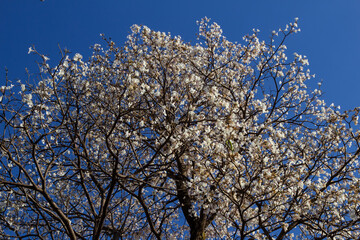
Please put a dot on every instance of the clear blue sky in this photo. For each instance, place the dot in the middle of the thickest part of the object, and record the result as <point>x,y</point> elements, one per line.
<point>330,35</point>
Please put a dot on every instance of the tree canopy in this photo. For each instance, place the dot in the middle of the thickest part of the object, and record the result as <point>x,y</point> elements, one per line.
<point>162,139</point>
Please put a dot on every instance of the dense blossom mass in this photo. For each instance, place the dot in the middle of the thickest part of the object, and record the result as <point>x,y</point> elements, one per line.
<point>161,139</point>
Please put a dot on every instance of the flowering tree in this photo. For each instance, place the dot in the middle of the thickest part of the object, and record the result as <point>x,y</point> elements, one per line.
<point>161,139</point>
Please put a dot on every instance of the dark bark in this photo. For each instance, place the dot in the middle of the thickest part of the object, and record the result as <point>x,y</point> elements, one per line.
<point>197,230</point>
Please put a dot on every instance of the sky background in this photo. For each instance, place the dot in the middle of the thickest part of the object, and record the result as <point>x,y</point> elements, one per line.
<point>329,37</point>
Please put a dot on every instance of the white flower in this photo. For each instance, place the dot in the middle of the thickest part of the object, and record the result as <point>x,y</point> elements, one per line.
<point>27,98</point>
<point>61,72</point>
<point>31,50</point>
<point>353,214</point>
<point>285,226</point>
<point>45,58</point>
<point>77,57</point>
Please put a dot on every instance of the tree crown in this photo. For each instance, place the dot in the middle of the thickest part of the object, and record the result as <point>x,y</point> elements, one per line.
<point>161,139</point>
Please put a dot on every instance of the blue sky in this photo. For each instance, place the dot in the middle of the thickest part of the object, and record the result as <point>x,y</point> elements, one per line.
<point>329,37</point>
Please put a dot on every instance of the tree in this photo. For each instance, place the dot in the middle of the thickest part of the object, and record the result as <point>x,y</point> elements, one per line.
<point>161,139</point>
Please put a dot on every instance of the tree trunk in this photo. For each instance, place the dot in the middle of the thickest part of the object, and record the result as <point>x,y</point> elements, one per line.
<point>197,230</point>
<point>197,235</point>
